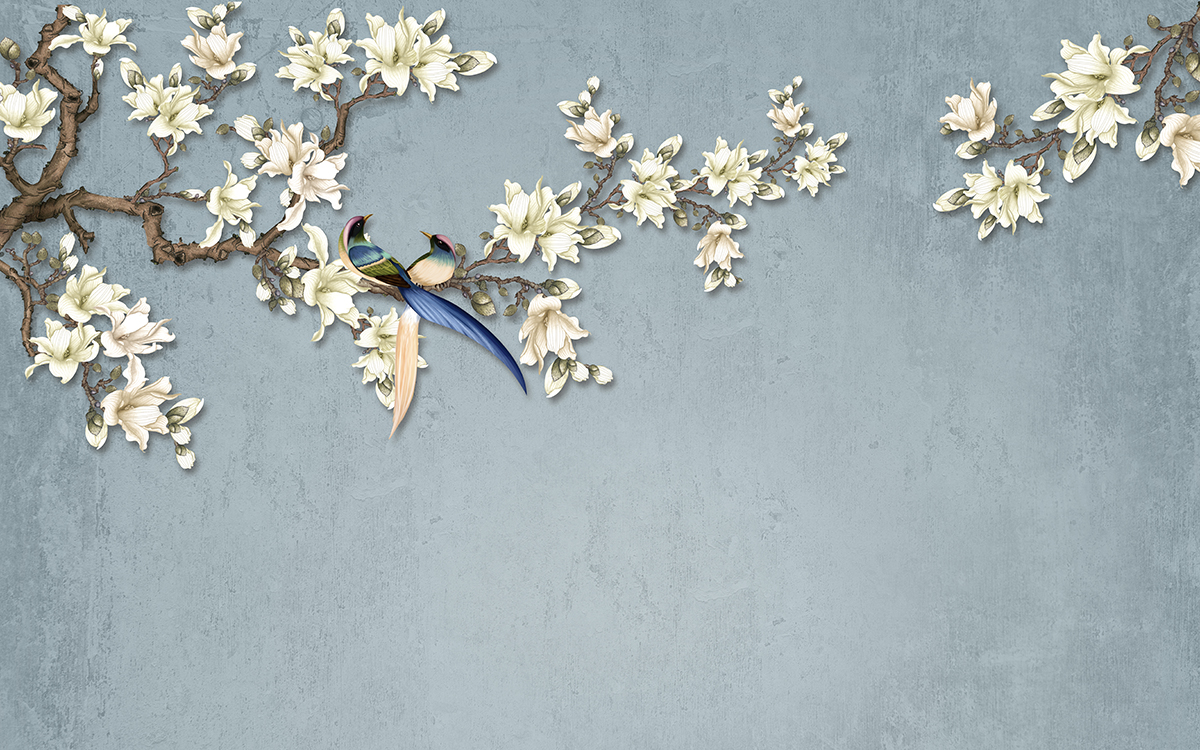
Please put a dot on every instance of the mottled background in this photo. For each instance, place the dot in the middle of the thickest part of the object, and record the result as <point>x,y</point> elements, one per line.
<point>901,490</point>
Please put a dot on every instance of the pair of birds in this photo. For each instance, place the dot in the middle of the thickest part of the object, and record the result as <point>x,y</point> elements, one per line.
<point>435,267</point>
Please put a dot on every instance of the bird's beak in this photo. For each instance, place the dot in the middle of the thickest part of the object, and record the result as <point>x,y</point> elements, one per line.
<point>427,234</point>
<point>367,216</point>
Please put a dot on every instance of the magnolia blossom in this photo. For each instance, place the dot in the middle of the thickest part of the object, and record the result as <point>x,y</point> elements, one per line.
<point>1096,120</point>
<point>64,350</point>
<point>24,115</point>
<point>86,295</point>
<point>717,246</point>
<point>329,287</point>
<point>787,119</point>
<point>215,53</point>
<point>1020,195</point>
<point>231,203</point>
<point>314,179</point>
<point>1094,72</point>
<point>178,114</point>
<point>594,136</point>
<point>311,64</point>
<point>651,192</point>
<point>548,330</point>
<point>98,34</point>
<point>974,114</point>
<point>982,194</point>
<point>391,51</point>
<point>816,166</point>
<point>133,333</point>
<point>135,407</point>
<point>730,168</point>
<point>282,149</point>
<point>1182,134</point>
<point>173,107</point>
<point>522,217</point>
<point>434,69</point>
<point>561,236</point>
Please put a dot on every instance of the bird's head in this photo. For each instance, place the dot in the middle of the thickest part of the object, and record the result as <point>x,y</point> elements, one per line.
<point>355,230</point>
<point>440,242</point>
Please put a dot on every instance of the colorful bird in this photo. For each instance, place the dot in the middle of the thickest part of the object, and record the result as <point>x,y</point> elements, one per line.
<point>436,266</point>
<point>360,255</point>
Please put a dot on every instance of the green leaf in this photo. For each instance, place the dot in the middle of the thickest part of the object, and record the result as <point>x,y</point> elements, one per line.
<point>222,129</point>
<point>510,310</point>
<point>1008,120</point>
<point>1153,22</point>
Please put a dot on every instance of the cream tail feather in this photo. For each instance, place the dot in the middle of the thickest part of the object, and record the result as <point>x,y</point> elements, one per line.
<point>404,377</point>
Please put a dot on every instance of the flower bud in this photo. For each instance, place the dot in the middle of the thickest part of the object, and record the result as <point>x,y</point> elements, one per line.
<point>9,49</point>
<point>465,63</point>
<point>237,76</point>
<point>1082,149</point>
<point>680,217</point>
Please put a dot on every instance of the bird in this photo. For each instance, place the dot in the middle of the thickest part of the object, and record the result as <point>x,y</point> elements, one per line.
<point>371,262</point>
<point>436,266</point>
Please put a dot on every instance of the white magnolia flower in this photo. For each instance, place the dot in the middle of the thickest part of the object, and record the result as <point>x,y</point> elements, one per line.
<point>594,136</point>
<point>178,114</point>
<point>651,192</point>
<point>231,203</point>
<point>1020,195</point>
<point>173,107</point>
<point>135,407</point>
<point>215,53</point>
<point>329,287</point>
<point>1094,72</point>
<point>86,295</point>
<point>816,166</point>
<point>1096,120</point>
<point>64,350</point>
<point>974,114</point>
<point>283,150</point>
<point>434,68</point>
<point>133,333</point>
<point>548,330</point>
<point>314,179</point>
<point>391,51</point>
<point>522,217</point>
<point>561,236</point>
<point>728,168</point>
<point>982,194</point>
<point>24,115</point>
<point>787,119</point>
<point>379,338</point>
<point>98,34</point>
<point>717,246</point>
<point>311,64</point>
<point>1182,135</point>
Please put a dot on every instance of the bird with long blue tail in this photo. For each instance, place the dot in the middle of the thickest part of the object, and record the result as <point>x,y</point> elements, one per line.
<point>373,263</point>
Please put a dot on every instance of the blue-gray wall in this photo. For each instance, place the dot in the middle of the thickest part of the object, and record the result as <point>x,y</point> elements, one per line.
<point>901,490</point>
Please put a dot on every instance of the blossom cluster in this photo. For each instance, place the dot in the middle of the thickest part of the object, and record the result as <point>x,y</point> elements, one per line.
<point>1089,99</point>
<point>71,342</point>
<point>395,53</point>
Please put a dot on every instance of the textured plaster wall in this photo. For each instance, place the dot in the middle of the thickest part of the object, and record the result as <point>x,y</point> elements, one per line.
<point>901,490</point>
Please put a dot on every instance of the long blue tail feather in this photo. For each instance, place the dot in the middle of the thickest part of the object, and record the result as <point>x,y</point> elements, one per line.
<point>437,310</point>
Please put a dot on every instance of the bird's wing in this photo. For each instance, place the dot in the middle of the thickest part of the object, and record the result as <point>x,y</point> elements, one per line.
<point>437,310</point>
<point>376,264</point>
<point>404,376</point>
